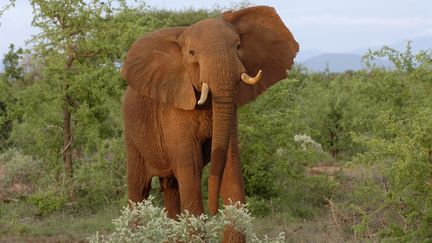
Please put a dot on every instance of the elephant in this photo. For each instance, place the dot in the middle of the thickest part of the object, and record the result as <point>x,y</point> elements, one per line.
<point>184,86</point>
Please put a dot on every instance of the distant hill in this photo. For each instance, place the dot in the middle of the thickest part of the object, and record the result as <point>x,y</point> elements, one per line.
<point>307,54</point>
<point>335,62</point>
<point>319,61</point>
<point>340,62</point>
<point>417,44</point>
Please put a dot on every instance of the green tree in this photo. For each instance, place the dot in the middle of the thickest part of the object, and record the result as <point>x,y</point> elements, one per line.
<point>76,100</point>
<point>400,140</point>
<point>6,6</point>
<point>13,73</point>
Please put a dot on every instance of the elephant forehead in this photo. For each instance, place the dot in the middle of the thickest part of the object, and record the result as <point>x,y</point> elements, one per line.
<point>211,29</point>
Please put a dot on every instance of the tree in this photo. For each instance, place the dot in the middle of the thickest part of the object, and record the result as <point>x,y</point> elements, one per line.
<point>65,26</point>
<point>6,6</point>
<point>13,73</point>
<point>77,97</point>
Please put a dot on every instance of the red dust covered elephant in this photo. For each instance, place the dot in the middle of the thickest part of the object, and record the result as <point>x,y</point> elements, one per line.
<point>184,86</point>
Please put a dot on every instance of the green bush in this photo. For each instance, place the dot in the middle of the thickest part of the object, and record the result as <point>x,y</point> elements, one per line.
<point>18,168</point>
<point>100,179</point>
<point>269,152</point>
<point>48,201</point>
<point>259,207</point>
<point>401,144</point>
<point>306,196</point>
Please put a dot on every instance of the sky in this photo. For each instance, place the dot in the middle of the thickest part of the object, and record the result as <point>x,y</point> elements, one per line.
<point>324,25</point>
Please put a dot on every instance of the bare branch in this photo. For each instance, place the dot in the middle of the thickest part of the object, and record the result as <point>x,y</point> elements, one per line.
<point>67,146</point>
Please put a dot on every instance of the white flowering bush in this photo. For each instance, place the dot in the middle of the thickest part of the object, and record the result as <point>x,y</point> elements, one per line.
<point>307,142</point>
<point>145,222</point>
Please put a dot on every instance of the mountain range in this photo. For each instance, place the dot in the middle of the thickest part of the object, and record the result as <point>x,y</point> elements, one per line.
<point>316,60</point>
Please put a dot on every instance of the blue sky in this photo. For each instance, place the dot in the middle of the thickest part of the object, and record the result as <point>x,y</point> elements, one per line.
<point>326,25</point>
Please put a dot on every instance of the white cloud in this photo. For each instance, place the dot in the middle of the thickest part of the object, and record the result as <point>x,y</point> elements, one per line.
<point>427,32</point>
<point>370,22</point>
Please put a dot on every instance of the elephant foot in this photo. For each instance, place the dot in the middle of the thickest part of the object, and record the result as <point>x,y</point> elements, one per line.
<point>233,236</point>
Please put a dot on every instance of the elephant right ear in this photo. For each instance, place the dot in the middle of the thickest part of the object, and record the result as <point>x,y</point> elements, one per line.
<point>153,67</point>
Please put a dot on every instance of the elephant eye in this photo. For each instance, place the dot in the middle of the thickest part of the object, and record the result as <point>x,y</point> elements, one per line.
<point>192,52</point>
<point>238,46</point>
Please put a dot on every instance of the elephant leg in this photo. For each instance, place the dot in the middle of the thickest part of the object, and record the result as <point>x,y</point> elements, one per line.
<point>138,180</point>
<point>188,171</point>
<point>171,196</point>
<point>232,188</point>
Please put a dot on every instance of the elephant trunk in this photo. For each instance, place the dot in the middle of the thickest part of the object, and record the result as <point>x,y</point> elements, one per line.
<point>222,72</point>
<point>223,109</point>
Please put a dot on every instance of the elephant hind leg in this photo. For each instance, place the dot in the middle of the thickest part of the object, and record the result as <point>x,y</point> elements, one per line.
<point>170,189</point>
<point>138,178</point>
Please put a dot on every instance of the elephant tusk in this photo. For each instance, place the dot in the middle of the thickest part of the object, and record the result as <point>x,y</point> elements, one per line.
<point>204,93</point>
<point>249,80</point>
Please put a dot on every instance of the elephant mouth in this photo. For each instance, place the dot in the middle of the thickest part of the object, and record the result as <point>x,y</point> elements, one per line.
<point>244,77</point>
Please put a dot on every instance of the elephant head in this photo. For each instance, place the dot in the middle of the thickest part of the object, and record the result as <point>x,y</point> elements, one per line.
<point>181,64</point>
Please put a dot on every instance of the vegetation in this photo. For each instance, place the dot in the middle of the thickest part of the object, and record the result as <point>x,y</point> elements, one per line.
<point>148,223</point>
<point>326,156</point>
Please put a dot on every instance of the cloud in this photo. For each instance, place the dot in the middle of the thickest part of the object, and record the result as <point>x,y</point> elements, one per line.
<point>427,32</point>
<point>370,22</point>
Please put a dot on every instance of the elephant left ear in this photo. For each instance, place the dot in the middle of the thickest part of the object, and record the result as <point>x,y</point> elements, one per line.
<point>267,44</point>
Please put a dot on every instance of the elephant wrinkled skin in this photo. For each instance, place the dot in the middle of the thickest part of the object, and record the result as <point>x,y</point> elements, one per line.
<point>168,134</point>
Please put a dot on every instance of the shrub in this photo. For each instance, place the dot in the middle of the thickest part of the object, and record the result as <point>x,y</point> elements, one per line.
<point>148,223</point>
<point>48,201</point>
<point>401,144</point>
<point>259,207</point>
<point>100,179</point>
<point>18,168</point>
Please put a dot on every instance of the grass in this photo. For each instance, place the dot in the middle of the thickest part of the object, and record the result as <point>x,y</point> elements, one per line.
<point>335,221</point>
<point>321,228</point>
<point>20,221</point>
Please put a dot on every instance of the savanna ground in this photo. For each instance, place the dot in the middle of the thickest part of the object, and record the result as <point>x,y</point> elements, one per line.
<point>22,222</point>
<point>326,157</point>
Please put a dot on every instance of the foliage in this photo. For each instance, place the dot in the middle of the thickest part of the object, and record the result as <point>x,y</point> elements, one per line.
<point>185,17</point>
<point>106,183</point>
<point>274,162</point>
<point>97,36</point>
<point>6,6</point>
<point>145,222</point>
<point>377,117</point>
<point>11,76</point>
<point>375,120</point>
<point>21,221</point>
<point>48,201</point>
<point>307,142</point>
<point>18,168</point>
<point>400,144</point>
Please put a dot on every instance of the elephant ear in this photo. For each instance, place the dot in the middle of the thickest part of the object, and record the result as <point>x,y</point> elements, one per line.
<point>267,44</point>
<point>153,67</point>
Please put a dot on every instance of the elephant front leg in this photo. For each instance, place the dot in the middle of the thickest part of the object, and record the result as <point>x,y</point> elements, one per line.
<point>189,179</point>
<point>170,189</point>
<point>187,168</point>
<point>232,189</point>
